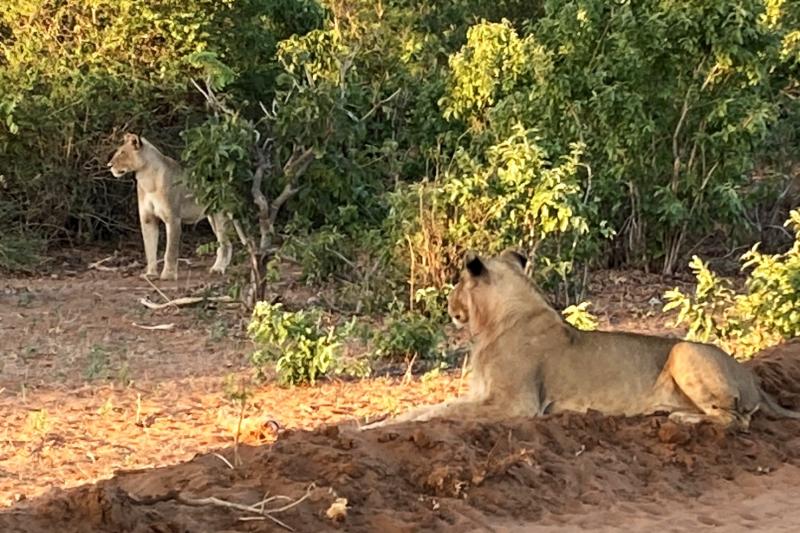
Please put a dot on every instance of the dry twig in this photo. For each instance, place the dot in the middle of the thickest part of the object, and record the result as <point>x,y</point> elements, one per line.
<point>160,293</point>
<point>255,509</point>
<point>100,265</point>
<point>222,458</point>
<point>185,301</point>
<point>159,327</point>
<point>407,376</point>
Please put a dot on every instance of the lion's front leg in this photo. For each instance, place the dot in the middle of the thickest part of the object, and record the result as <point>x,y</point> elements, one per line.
<point>173,248</point>
<point>218,223</point>
<point>149,225</point>
<point>454,409</point>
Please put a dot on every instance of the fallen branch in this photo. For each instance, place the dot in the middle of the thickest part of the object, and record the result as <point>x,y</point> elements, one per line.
<point>97,265</point>
<point>255,509</point>
<point>158,327</point>
<point>185,301</point>
<point>100,265</point>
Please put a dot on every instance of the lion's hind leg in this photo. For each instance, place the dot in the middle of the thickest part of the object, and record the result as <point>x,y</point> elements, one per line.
<point>706,376</point>
<point>218,223</point>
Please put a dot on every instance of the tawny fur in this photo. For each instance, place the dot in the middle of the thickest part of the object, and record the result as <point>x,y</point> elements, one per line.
<point>162,196</point>
<point>526,361</point>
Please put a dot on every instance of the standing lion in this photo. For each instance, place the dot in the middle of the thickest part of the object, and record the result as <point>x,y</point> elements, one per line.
<point>162,196</point>
<point>528,361</point>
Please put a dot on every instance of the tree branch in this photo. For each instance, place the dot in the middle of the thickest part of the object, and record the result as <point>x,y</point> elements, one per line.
<point>298,162</point>
<point>376,106</point>
<point>212,99</point>
<point>292,170</point>
<point>264,216</point>
<point>676,163</point>
<point>288,191</point>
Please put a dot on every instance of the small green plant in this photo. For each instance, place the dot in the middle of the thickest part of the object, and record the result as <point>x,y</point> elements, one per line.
<point>408,334</point>
<point>238,393</point>
<point>208,248</point>
<point>767,312</point>
<point>296,341</point>
<point>273,270</point>
<point>580,317</point>
<point>355,368</point>
<point>218,331</point>
<point>98,362</point>
<point>124,375</point>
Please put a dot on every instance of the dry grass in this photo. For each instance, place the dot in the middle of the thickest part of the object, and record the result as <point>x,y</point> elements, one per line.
<point>64,438</point>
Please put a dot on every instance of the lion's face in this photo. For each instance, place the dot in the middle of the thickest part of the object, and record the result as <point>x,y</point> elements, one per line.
<point>127,158</point>
<point>483,285</point>
<point>458,304</point>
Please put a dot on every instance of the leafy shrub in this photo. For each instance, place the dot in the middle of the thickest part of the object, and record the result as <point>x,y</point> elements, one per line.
<point>507,194</point>
<point>743,323</point>
<point>218,162</point>
<point>669,101</point>
<point>407,334</point>
<point>296,342</point>
<point>432,302</point>
<point>322,254</point>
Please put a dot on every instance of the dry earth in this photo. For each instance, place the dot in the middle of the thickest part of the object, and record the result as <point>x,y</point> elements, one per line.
<point>88,396</point>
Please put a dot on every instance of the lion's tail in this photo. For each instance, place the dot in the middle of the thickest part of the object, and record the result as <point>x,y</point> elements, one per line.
<point>772,409</point>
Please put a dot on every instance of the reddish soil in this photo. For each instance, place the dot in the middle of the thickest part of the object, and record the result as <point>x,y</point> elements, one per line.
<point>69,415</point>
<point>527,474</point>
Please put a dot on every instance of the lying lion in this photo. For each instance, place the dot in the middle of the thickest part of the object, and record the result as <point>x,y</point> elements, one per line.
<point>162,196</point>
<point>527,361</point>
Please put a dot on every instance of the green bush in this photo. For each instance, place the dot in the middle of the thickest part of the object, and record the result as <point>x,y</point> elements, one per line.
<point>407,334</point>
<point>432,303</point>
<point>296,342</point>
<point>507,194</point>
<point>767,312</point>
<point>548,125</point>
<point>669,101</point>
<point>323,254</point>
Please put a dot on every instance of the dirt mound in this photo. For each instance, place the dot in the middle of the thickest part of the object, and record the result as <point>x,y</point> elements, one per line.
<point>453,475</point>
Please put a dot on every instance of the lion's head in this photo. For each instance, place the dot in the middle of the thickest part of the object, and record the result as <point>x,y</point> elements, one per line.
<point>489,289</point>
<point>128,157</point>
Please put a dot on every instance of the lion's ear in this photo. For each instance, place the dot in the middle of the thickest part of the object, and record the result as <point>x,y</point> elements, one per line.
<point>516,257</point>
<point>133,140</point>
<point>474,264</point>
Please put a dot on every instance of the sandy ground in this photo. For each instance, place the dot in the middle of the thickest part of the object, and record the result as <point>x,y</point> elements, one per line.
<point>88,396</point>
